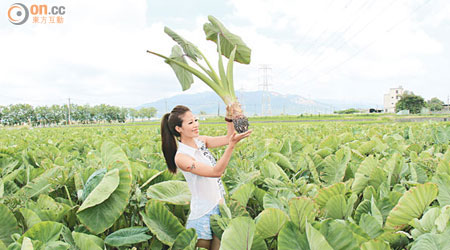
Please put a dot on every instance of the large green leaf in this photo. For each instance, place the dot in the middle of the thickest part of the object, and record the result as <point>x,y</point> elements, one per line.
<point>92,182</point>
<point>291,238</point>
<point>174,192</point>
<point>432,241</point>
<point>29,217</point>
<point>87,241</point>
<point>336,207</point>
<point>186,240</point>
<point>161,222</point>
<point>2,245</point>
<point>219,224</point>
<point>443,182</point>
<point>270,221</point>
<point>8,225</point>
<point>45,231</point>
<point>363,174</point>
<point>127,236</point>
<point>316,240</point>
<point>370,225</point>
<point>243,193</point>
<point>103,190</point>
<point>228,40</point>
<point>48,209</point>
<point>283,161</point>
<point>339,235</point>
<point>411,205</point>
<point>258,242</point>
<point>239,234</point>
<point>302,209</point>
<point>184,76</point>
<point>188,48</point>
<point>102,216</point>
<point>375,245</point>
<point>56,245</point>
<point>326,193</point>
<point>335,166</point>
<point>27,244</point>
<point>42,183</point>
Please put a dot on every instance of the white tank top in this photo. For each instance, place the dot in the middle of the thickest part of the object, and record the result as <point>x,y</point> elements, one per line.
<point>206,192</point>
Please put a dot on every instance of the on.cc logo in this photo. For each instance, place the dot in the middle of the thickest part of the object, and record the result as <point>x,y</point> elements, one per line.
<point>18,14</point>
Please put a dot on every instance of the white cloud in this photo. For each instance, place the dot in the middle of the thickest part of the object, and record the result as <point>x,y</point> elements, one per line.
<point>322,49</point>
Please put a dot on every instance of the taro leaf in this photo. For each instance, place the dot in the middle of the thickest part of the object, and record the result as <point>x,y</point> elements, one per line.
<point>188,48</point>
<point>339,235</point>
<point>302,209</point>
<point>290,238</point>
<point>56,245</point>
<point>92,182</point>
<point>219,224</point>
<point>239,234</point>
<point>161,222</point>
<point>29,216</point>
<point>87,241</point>
<point>335,166</point>
<point>174,192</point>
<point>184,76</point>
<point>102,216</point>
<point>27,244</point>
<point>243,193</point>
<point>316,240</point>
<point>283,161</point>
<point>48,209</point>
<point>331,142</point>
<point>375,245</point>
<point>443,182</point>
<point>2,245</point>
<point>8,225</point>
<point>336,207</point>
<point>432,241</point>
<point>41,184</point>
<point>411,205</point>
<point>2,188</point>
<point>45,231</point>
<point>103,190</point>
<point>426,223</point>
<point>270,221</point>
<point>228,41</point>
<point>186,240</point>
<point>370,225</point>
<point>326,193</point>
<point>127,236</point>
<point>270,201</point>
<point>258,242</point>
<point>363,174</point>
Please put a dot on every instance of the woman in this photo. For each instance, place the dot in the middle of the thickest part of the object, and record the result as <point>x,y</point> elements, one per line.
<point>200,169</point>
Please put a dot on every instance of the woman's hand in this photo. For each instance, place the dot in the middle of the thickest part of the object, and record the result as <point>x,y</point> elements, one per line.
<point>235,137</point>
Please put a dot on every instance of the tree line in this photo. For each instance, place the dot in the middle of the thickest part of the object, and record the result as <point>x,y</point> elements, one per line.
<point>415,103</point>
<point>18,114</point>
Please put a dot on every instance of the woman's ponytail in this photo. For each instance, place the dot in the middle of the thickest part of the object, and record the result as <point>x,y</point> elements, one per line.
<point>169,145</point>
<point>168,133</point>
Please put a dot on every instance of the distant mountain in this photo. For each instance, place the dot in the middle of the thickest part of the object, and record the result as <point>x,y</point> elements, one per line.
<point>251,101</point>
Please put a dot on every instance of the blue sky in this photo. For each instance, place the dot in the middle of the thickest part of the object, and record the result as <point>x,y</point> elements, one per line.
<point>329,49</point>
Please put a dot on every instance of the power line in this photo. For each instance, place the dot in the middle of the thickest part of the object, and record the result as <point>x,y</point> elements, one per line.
<point>366,47</point>
<point>344,42</point>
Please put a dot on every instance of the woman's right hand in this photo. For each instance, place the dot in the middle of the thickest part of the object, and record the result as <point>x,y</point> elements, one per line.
<point>235,138</point>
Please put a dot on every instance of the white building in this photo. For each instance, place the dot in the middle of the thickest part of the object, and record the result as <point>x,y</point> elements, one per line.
<point>391,98</point>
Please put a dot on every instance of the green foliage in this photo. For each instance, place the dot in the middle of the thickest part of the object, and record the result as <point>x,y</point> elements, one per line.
<point>434,104</point>
<point>289,186</point>
<point>411,102</point>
